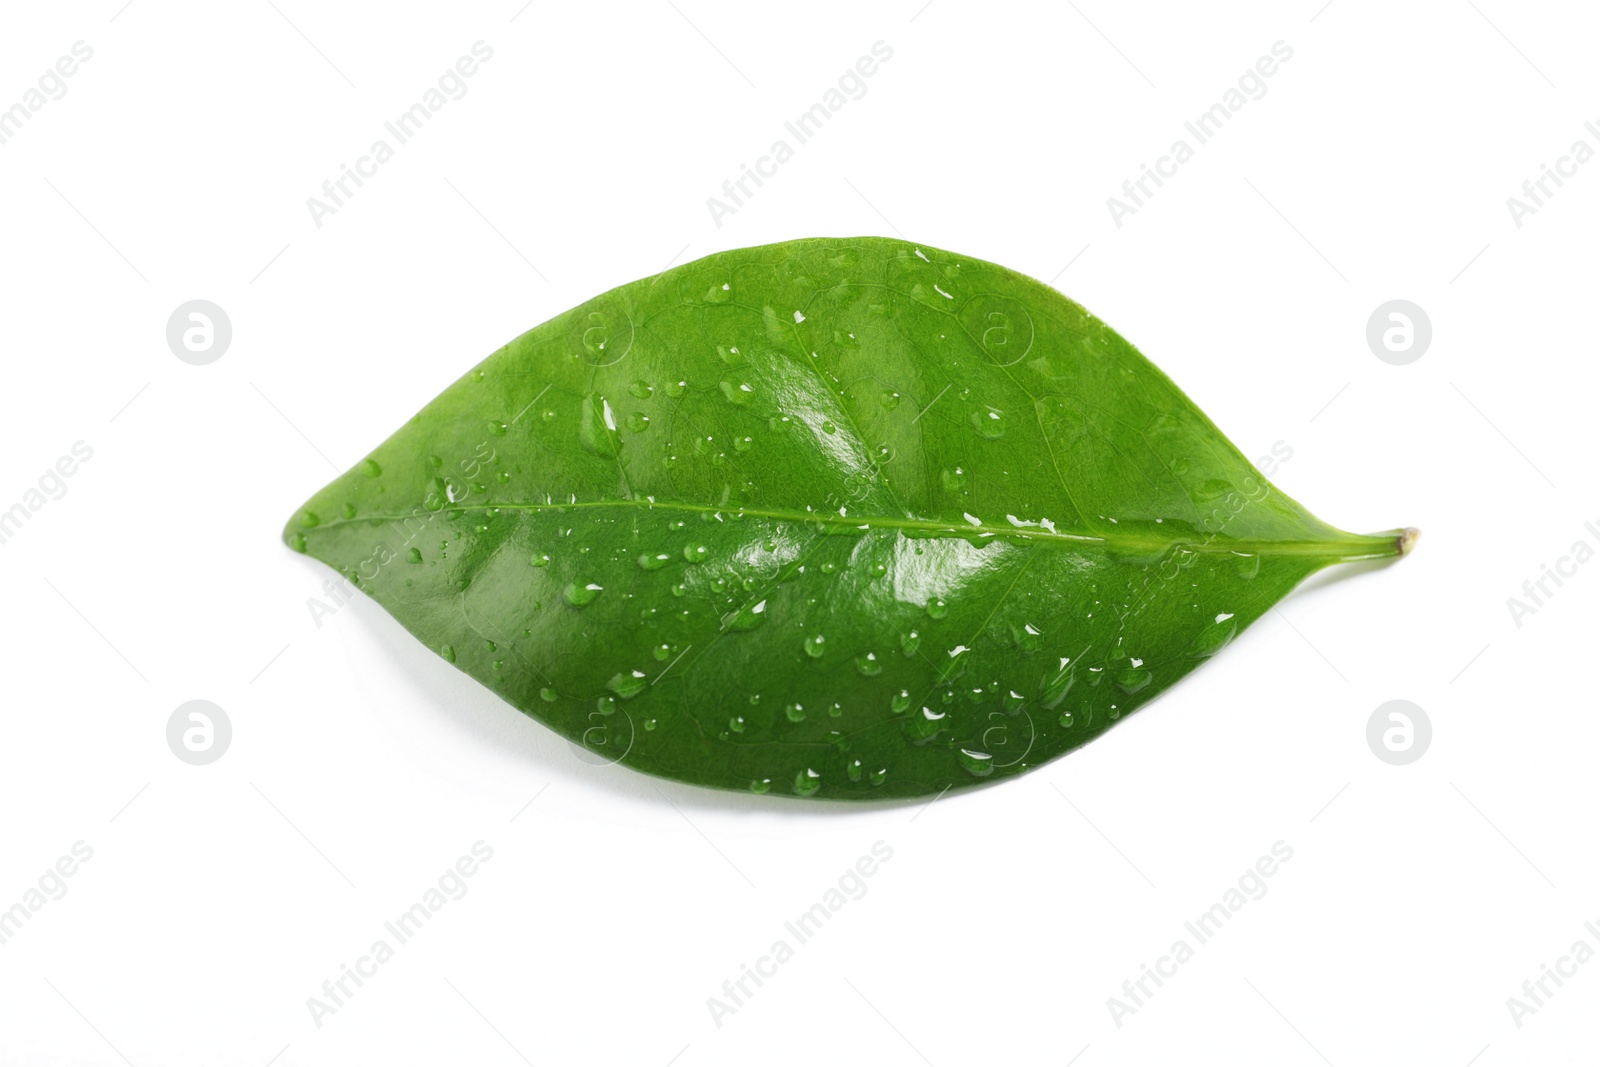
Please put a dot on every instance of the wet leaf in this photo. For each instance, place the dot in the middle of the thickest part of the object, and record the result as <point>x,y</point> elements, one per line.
<point>842,519</point>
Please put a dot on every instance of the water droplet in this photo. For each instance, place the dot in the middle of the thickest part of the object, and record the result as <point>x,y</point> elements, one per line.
<point>540,559</point>
<point>627,684</point>
<point>879,776</point>
<point>297,541</point>
<point>1066,718</point>
<point>816,645</point>
<point>1132,679</point>
<point>794,712</point>
<point>370,468</point>
<point>742,444</point>
<point>890,399</point>
<point>661,652</point>
<point>736,724</point>
<point>924,726</point>
<point>581,594</point>
<point>978,764</point>
<point>953,480</point>
<point>676,389</point>
<point>867,663</point>
<point>641,389</point>
<point>1012,701</point>
<point>1215,637</point>
<point>807,782</point>
<point>638,422</point>
<point>1246,564</point>
<point>828,427</point>
<point>348,511</point>
<point>1027,637</point>
<point>909,642</point>
<point>414,556</point>
<point>310,518</point>
<point>749,618</point>
<point>597,426</point>
<point>761,786</point>
<point>654,561</point>
<point>695,553</point>
<point>497,428</point>
<point>448,653</point>
<point>989,422</point>
<point>731,355</point>
<point>1053,690</point>
<point>937,608</point>
<point>900,702</point>
<point>739,394</point>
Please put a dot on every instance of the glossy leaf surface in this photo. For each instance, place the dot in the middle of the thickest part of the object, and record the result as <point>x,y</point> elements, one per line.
<point>843,519</point>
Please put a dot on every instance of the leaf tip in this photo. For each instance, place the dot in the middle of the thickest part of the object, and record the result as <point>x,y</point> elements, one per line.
<point>1407,540</point>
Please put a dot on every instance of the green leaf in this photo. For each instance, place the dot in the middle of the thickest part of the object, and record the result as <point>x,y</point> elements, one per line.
<point>845,519</point>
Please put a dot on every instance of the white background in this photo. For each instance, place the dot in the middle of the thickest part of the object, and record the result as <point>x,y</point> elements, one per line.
<point>219,898</point>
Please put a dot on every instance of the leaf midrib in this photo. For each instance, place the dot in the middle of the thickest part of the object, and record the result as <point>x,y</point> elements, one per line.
<point>1130,543</point>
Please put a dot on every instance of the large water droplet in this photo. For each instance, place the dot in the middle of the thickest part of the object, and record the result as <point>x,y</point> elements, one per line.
<point>627,684</point>
<point>978,764</point>
<point>1132,679</point>
<point>989,422</point>
<point>581,594</point>
<point>749,618</point>
<point>924,726</point>
<point>1215,637</point>
<point>597,426</point>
